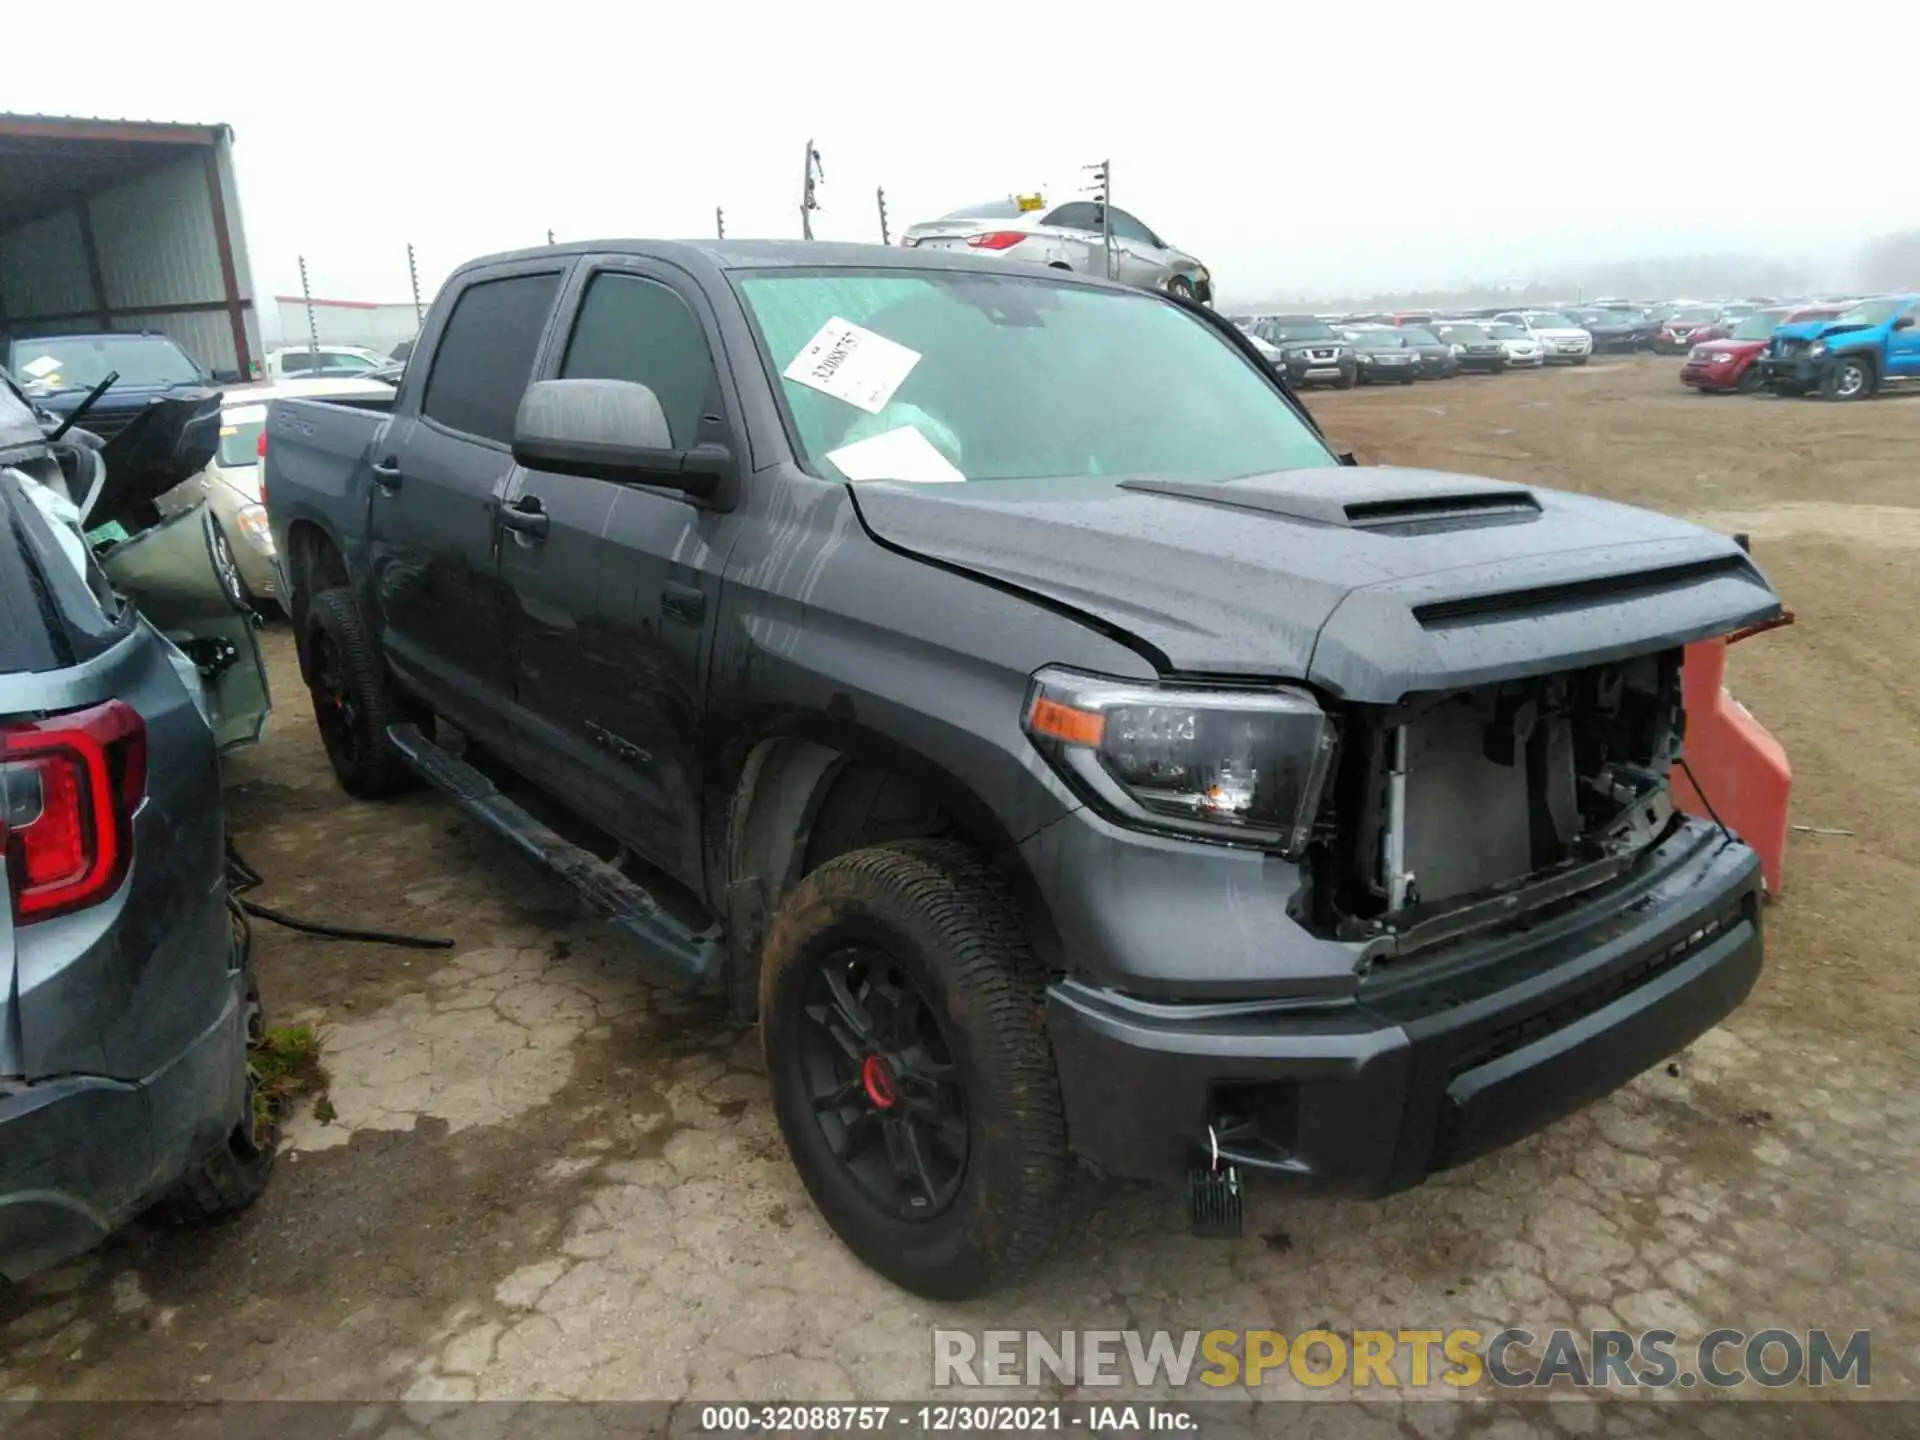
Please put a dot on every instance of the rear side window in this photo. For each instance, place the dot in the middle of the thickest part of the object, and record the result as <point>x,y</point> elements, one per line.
<point>485,356</point>
<point>296,360</point>
<point>1078,215</point>
<point>639,330</point>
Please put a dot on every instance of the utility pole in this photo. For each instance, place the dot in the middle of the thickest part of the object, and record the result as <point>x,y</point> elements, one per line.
<point>413,278</point>
<point>809,200</point>
<point>549,236</point>
<point>313,325</point>
<point>880,194</point>
<point>1101,185</point>
<point>720,221</point>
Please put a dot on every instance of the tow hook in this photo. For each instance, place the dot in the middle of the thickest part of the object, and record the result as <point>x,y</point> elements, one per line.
<point>1215,1207</point>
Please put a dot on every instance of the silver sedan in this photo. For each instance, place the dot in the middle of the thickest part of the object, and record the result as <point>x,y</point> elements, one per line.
<point>1066,237</point>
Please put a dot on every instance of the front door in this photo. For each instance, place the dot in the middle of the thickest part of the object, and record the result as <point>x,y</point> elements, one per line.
<point>615,590</point>
<point>437,481</point>
<point>1903,346</point>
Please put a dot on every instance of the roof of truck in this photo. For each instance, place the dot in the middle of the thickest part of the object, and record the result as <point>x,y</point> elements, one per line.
<point>783,254</point>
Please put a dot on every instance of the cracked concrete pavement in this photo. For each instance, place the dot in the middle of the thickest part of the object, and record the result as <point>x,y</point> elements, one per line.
<point>547,1179</point>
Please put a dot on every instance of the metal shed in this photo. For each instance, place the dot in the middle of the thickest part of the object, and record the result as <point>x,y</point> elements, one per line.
<point>125,225</point>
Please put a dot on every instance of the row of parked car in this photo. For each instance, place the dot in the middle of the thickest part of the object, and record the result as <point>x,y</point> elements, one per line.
<point>1309,350</point>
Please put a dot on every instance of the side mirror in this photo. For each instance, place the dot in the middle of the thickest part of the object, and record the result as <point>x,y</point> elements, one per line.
<point>610,430</point>
<point>1905,322</point>
<point>226,377</point>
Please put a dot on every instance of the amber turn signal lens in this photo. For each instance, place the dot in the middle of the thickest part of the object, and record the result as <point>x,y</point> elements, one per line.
<point>1063,722</point>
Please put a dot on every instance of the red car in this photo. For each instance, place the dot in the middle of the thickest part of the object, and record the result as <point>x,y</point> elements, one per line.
<point>1680,329</point>
<point>1728,364</point>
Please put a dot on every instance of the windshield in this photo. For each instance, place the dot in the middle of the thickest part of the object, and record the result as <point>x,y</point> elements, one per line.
<point>1690,317</point>
<point>1759,325</point>
<point>1280,331</point>
<point>77,362</point>
<point>1552,320</point>
<point>240,430</point>
<point>1872,312</point>
<point>1468,334</point>
<point>1506,332</point>
<point>1013,377</point>
<point>1378,340</point>
<point>1418,336</point>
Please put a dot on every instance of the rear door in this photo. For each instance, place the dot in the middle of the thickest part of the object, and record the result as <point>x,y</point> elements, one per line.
<point>614,605</point>
<point>438,478</point>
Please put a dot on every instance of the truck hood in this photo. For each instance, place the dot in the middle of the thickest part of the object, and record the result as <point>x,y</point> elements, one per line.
<point>1801,330</point>
<point>1370,583</point>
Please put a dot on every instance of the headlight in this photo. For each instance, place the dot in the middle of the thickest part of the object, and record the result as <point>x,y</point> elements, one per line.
<point>252,520</point>
<point>1365,359</point>
<point>1721,359</point>
<point>1458,349</point>
<point>1227,765</point>
<point>1819,348</point>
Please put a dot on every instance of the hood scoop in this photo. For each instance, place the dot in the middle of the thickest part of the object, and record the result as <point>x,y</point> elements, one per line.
<point>1379,499</point>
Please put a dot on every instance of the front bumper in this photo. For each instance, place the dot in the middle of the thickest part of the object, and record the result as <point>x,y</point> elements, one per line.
<point>1302,372</point>
<point>1567,354</point>
<point>1442,1057</point>
<point>1394,373</point>
<point>1702,375</point>
<point>1801,369</point>
<point>81,1155</point>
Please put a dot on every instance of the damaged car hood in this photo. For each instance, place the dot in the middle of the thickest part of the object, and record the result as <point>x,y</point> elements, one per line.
<point>1369,582</point>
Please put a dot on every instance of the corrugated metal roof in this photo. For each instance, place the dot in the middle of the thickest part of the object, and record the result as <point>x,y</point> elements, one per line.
<point>185,127</point>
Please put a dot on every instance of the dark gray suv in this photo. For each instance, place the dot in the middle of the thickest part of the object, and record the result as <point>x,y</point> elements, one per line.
<point>126,998</point>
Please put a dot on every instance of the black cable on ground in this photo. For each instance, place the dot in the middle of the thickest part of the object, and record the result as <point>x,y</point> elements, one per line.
<point>242,877</point>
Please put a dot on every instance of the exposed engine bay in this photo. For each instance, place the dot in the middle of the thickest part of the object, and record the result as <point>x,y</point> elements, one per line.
<point>1463,809</point>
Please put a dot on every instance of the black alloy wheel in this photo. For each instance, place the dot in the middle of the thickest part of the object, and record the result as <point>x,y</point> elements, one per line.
<point>887,1095</point>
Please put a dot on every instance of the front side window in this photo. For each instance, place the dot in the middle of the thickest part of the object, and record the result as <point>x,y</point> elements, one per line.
<point>1128,228</point>
<point>639,330</point>
<point>486,353</point>
<point>341,363</point>
<point>1021,377</point>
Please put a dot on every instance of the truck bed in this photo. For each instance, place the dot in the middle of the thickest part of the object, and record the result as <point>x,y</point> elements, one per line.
<point>316,465</point>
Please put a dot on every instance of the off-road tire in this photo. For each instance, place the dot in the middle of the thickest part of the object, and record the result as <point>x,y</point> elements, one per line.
<point>354,734</point>
<point>944,920</point>
<point>1831,382</point>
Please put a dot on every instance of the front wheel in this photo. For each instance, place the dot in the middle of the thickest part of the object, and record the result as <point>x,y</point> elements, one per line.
<point>1751,381</point>
<point>1847,380</point>
<point>1580,359</point>
<point>228,569</point>
<point>1408,379</point>
<point>1345,382</point>
<point>903,1019</point>
<point>1180,287</point>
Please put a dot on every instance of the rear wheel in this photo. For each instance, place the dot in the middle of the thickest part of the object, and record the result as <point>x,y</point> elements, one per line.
<point>235,1173</point>
<point>903,1019</point>
<point>353,698</point>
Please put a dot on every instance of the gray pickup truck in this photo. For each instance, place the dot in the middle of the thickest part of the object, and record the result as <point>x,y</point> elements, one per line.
<point>995,684</point>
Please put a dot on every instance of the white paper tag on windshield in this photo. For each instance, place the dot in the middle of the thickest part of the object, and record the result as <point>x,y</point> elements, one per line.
<point>853,364</point>
<point>41,368</point>
<point>904,454</point>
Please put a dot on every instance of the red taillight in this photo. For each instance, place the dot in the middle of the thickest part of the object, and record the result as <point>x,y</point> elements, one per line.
<point>997,239</point>
<point>69,786</point>
<point>260,448</point>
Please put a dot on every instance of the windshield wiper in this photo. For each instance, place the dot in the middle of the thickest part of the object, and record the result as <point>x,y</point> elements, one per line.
<point>84,406</point>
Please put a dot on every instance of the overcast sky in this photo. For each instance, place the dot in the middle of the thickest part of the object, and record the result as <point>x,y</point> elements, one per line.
<point>1295,149</point>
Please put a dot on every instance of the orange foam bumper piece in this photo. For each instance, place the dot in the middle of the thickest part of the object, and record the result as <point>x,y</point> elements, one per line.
<point>1738,763</point>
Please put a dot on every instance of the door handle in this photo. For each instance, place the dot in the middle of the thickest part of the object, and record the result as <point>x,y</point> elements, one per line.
<point>683,602</point>
<point>525,517</point>
<point>386,474</point>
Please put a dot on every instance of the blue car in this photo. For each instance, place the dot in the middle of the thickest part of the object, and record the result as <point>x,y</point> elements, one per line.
<point>127,1002</point>
<point>1851,356</point>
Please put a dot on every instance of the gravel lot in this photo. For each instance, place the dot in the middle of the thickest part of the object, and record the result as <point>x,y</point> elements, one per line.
<point>545,1179</point>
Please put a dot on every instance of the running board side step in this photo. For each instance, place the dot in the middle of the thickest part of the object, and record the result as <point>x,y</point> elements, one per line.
<point>689,957</point>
